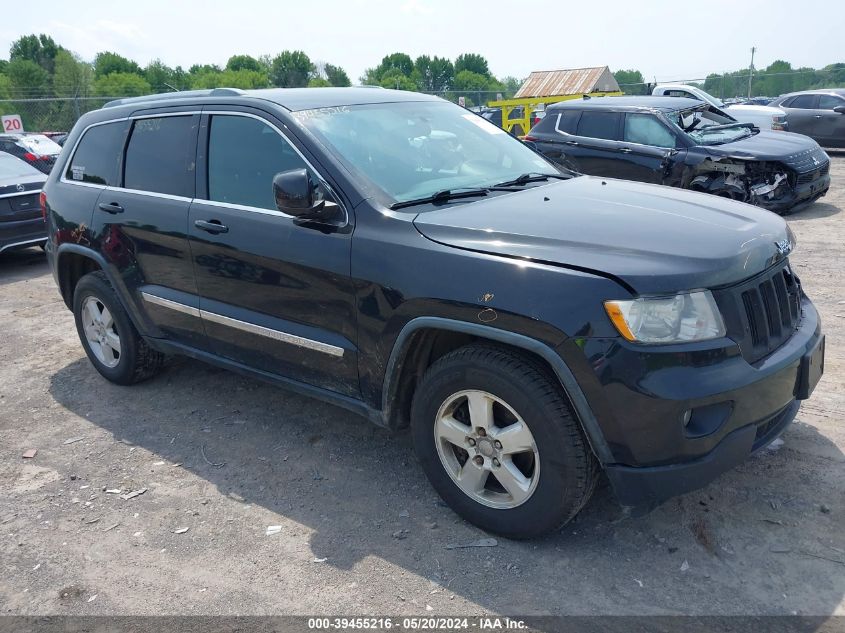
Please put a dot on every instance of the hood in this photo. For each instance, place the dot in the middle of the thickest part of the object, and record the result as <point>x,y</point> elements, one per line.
<point>753,109</point>
<point>652,238</point>
<point>794,150</point>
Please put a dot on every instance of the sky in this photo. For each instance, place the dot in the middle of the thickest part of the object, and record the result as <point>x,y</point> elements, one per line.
<point>665,40</point>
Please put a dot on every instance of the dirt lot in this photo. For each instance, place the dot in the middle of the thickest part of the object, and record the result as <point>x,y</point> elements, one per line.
<point>361,530</point>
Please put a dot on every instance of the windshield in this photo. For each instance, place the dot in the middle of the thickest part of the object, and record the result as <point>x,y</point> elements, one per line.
<point>39,144</point>
<point>415,149</point>
<point>707,127</point>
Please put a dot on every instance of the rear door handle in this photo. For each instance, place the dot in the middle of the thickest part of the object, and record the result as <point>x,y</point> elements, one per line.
<point>110,207</point>
<point>817,116</point>
<point>572,143</point>
<point>211,226</point>
<point>625,150</point>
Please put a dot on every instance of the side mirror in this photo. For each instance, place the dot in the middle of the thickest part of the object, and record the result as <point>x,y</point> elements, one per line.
<point>839,109</point>
<point>298,195</point>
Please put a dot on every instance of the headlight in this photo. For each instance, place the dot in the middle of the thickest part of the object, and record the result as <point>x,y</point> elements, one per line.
<point>686,317</point>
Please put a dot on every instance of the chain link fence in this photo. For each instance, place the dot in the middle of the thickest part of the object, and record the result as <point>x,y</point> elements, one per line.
<point>54,114</point>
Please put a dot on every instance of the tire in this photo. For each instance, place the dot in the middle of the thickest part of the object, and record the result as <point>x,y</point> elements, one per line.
<point>123,360</point>
<point>559,472</point>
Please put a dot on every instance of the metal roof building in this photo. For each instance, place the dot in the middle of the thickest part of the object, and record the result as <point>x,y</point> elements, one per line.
<point>575,81</point>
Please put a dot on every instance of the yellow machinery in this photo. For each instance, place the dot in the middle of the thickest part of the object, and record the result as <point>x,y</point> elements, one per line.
<point>519,125</point>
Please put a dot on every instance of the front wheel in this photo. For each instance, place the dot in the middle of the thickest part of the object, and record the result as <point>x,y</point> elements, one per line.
<point>497,439</point>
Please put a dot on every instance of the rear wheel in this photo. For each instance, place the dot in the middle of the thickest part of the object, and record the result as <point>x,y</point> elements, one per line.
<point>111,342</point>
<point>496,438</point>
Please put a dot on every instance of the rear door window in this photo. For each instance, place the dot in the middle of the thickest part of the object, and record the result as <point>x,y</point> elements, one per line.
<point>161,154</point>
<point>828,102</point>
<point>804,102</point>
<point>244,155</point>
<point>646,129</point>
<point>97,156</point>
<point>604,125</point>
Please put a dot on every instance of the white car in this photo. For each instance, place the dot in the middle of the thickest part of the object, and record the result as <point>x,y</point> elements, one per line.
<point>764,117</point>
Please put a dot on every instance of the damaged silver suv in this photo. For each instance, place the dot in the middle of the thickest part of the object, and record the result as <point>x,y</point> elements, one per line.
<point>684,143</point>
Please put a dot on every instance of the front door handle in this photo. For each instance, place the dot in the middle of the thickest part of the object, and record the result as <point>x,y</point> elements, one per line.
<point>110,207</point>
<point>817,116</point>
<point>625,150</point>
<point>211,226</point>
<point>576,143</point>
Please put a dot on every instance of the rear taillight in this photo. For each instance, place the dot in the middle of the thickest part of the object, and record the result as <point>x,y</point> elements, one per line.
<point>536,120</point>
<point>30,157</point>
<point>42,200</point>
<point>528,137</point>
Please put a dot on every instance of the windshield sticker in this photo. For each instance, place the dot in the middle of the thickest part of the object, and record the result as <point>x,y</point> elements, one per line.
<point>304,115</point>
<point>484,124</point>
<point>78,172</point>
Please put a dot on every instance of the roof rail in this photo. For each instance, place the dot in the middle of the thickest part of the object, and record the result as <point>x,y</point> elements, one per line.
<point>165,96</point>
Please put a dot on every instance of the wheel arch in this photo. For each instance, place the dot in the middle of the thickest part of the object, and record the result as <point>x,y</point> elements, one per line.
<point>417,346</point>
<point>73,261</point>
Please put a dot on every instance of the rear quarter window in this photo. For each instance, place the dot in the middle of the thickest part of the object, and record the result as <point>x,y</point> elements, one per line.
<point>547,124</point>
<point>97,156</point>
<point>160,157</point>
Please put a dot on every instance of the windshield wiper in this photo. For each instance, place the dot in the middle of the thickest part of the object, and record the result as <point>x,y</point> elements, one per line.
<point>441,196</point>
<point>524,179</point>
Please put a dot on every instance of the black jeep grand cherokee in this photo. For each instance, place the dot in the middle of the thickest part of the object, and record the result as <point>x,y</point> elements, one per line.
<point>404,258</point>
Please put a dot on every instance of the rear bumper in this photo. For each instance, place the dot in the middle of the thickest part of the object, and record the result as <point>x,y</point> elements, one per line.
<point>647,487</point>
<point>22,233</point>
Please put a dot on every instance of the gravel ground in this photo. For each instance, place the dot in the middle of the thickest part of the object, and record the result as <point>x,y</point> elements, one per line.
<point>361,531</point>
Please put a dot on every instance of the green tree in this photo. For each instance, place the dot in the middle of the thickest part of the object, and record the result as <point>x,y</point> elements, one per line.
<point>119,84</point>
<point>27,79</point>
<point>472,62</point>
<point>291,69</point>
<point>631,81</point>
<point>397,81</point>
<point>319,82</point>
<point>204,68</point>
<point>40,49</point>
<point>106,63</point>
<point>436,73</point>
<point>244,79</point>
<point>466,80</point>
<point>72,77</point>
<point>162,77</point>
<point>391,65</point>
<point>336,76</point>
<point>511,85</point>
<point>245,62</point>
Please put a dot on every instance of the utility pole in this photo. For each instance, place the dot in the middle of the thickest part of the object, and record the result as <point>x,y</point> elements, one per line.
<point>751,70</point>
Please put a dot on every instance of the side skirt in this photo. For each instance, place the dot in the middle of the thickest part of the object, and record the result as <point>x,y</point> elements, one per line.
<point>350,404</point>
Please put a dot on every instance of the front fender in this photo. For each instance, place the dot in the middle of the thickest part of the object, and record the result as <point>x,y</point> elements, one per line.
<point>570,385</point>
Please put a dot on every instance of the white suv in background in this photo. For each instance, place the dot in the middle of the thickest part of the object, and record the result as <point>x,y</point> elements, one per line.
<point>764,117</point>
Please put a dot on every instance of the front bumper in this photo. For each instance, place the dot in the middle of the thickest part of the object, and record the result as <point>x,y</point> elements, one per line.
<point>643,395</point>
<point>798,197</point>
<point>647,487</point>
